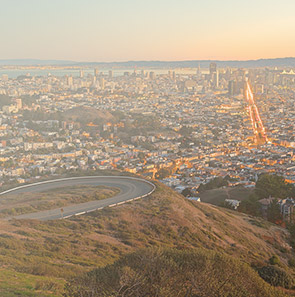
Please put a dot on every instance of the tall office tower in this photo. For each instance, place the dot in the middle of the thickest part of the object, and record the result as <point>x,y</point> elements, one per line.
<point>228,73</point>
<point>102,83</point>
<point>269,77</point>
<point>173,75</point>
<point>70,81</point>
<point>81,73</point>
<point>19,103</point>
<point>199,70</point>
<point>142,73</point>
<point>251,76</point>
<point>212,68</point>
<point>152,75</point>
<point>232,87</point>
<point>95,72</point>
<point>110,73</point>
<point>216,79</point>
<point>259,88</point>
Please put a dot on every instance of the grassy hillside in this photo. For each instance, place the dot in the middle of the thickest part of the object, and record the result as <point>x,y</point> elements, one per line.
<point>172,272</point>
<point>43,255</point>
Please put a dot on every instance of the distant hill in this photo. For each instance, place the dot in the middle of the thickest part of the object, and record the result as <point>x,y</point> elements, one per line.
<point>88,114</point>
<point>35,62</point>
<point>278,62</point>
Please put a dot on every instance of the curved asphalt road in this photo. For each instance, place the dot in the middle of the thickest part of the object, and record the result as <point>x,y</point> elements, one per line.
<point>130,189</point>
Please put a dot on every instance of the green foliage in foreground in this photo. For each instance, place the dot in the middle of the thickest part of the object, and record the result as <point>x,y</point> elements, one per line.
<point>15,284</point>
<point>274,260</point>
<point>276,276</point>
<point>172,272</point>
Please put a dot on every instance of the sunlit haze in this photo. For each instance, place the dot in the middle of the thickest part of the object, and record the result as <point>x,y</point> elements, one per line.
<point>95,30</point>
<point>147,148</point>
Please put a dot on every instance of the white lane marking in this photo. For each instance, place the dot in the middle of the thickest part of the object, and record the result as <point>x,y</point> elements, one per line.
<point>78,177</point>
<point>66,217</point>
<point>119,203</point>
<point>80,213</point>
<point>88,177</point>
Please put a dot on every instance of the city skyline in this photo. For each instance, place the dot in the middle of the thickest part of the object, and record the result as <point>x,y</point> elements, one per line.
<point>135,30</point>
<point>147,148</point>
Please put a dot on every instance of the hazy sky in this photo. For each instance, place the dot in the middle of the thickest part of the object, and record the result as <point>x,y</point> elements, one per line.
<point>118,30</point>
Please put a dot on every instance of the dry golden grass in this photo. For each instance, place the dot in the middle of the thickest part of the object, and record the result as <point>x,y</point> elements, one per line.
<point>65,248</point>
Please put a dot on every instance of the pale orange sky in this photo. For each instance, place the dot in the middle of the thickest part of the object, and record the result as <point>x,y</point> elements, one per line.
<point>116,30</point>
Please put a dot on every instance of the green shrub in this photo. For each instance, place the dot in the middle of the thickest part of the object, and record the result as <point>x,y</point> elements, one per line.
<point>274,260</point>
<point>291,263</point>
<point>276,276</point>
<point>172,272</point>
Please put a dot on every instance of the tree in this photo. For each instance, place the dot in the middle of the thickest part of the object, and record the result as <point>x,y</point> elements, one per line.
<point>274,213</point>
<point>250,205</point>
<point>5,100</point>
<point>276,276</point>
<point>291,229</point>
<point>273,185</point>
<point>215,183</point>
<point>185,131</point>
<point>187,192</point>
<point>163,173</point>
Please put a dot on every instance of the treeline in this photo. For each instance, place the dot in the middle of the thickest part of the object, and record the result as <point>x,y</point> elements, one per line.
<point>268,185</point>
<point>215,183</point>
<point>26,100</point>
<point>5,100</point>
<point>273,185</point>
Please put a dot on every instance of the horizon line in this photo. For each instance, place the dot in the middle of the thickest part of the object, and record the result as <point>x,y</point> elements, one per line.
<point>154,60</point>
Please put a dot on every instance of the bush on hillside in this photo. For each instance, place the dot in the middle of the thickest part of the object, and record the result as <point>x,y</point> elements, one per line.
<point>274,260</point>
<point>171,272</point>
<point>291,263</point>
<point>276,276</point>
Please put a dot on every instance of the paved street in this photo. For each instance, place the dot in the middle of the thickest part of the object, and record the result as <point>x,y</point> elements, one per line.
<point>130,188</point>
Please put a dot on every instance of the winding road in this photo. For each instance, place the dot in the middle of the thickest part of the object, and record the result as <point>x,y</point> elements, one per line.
<point>130,189</point>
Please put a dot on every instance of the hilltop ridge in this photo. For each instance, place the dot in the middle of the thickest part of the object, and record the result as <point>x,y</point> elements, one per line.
<point>56,251</point>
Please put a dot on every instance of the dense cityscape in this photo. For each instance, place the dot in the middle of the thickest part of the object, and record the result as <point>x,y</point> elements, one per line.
<point>184,129</point>
<point>147,148</point>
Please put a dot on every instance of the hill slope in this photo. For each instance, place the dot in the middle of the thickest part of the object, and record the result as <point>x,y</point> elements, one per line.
<point>89,114</point>
<point>58,250</point>
<point>172,272</point>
